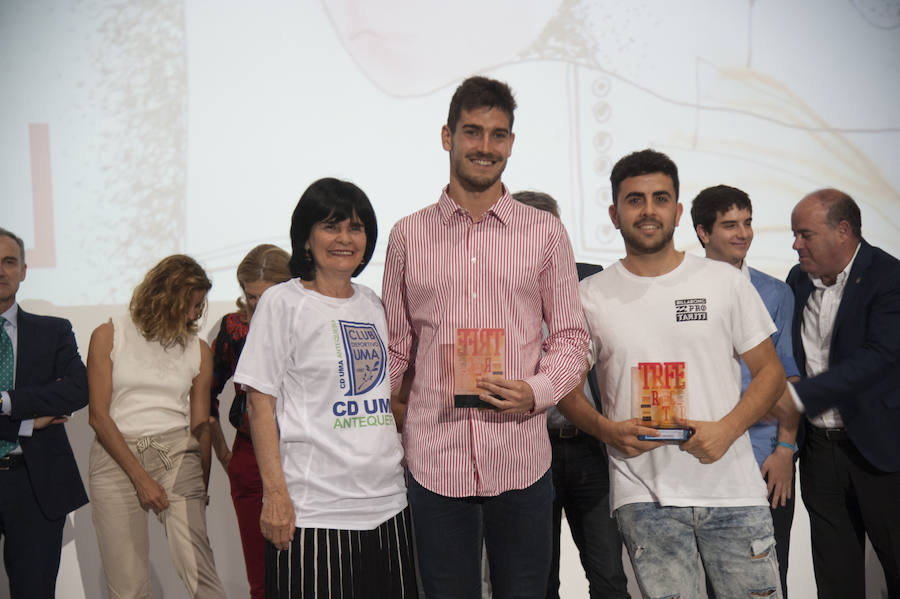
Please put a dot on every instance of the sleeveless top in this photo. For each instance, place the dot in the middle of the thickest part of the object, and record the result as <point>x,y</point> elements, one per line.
<point>151,384</point>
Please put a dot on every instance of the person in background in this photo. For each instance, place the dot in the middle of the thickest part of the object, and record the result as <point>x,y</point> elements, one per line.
<point>581,479</point>
<point>262,267</point>
<point>149,376</point>
<point>315,370</point>
<point>722,218</point>
<point>42,381</point>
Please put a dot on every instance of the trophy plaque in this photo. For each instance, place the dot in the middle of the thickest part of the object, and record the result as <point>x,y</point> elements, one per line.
<point>477,352</point>
<point>659,394</point>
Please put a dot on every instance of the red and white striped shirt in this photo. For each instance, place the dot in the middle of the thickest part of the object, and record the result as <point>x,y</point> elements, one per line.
<point>512,269</point>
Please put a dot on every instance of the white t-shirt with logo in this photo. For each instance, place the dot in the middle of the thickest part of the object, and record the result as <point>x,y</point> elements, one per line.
<point>325,361</point>
<point>689,325</point>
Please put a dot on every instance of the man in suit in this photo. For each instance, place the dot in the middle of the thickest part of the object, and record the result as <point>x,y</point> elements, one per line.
<point>846,336</point>
<point>42,381</point>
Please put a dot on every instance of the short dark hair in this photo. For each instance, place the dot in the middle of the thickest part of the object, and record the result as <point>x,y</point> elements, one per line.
<point>480,92</point>
<point>538,199</point>
<point>329,200</point>
<point>17,239</point>
<point>714,201</point>
<point>644,162</point>
<point>840,206</point>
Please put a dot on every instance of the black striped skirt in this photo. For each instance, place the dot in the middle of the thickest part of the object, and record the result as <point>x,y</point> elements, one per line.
<point>345,564</point>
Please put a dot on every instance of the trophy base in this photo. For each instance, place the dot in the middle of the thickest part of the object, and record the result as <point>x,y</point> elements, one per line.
<point>471,400</point>
<point>670,434</point>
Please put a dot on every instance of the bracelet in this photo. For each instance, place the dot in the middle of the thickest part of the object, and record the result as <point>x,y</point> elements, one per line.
<point>791,446</point>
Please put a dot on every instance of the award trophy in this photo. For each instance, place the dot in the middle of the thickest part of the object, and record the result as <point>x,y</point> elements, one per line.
<point>659,394</point>
<point>476,352</point>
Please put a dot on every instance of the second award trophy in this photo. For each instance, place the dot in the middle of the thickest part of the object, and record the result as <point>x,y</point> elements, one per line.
<point>476,352</point>
<point>659,395</point>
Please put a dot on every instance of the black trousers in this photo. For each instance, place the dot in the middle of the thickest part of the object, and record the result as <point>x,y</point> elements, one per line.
<point>32,543</point>
<point>581,484</point>
<point>847,498</point>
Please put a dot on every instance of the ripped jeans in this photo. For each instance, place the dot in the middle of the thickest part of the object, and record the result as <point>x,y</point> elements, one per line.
<point>735,544</point>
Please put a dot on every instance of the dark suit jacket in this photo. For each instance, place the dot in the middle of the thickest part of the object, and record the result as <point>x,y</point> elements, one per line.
<point>863,376</point>
<point>584,271</point>
<point>50,381</point>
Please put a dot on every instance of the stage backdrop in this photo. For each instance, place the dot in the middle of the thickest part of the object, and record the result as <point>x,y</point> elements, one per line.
<point>136,129</point>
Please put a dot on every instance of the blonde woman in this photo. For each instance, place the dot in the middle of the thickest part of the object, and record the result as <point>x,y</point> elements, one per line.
<point>149,377</point>
<point>264,266</point>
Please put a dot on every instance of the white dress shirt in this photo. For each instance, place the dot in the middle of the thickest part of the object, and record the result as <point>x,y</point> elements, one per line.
<point>816,330</point>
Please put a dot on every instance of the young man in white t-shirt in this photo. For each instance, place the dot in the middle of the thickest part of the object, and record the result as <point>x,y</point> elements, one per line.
<point>668,329</point>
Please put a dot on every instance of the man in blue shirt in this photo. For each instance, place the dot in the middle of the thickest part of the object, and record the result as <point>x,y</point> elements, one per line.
<point>722,218</point>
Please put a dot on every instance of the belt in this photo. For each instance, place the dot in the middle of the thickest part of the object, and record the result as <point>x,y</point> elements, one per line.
<point>564,432</point>
<point>831,434</point>
<point>12,461</point>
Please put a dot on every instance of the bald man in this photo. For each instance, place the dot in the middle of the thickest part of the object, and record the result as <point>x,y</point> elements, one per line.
<point>846,336</point>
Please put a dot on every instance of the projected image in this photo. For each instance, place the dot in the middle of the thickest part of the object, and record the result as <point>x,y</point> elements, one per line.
<point>733,90</point>
<point>138,130</point>
<point>94,162</point>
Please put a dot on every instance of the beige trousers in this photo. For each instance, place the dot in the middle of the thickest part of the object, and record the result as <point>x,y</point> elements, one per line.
<point>173,460</point>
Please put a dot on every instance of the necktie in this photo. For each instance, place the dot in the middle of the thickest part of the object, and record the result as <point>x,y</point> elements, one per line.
<point>6,376</point>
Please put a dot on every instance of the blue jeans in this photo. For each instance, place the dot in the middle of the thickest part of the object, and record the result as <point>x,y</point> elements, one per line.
<point>782,520</point>
<point>514,527</point>
<point>581,481</point>
<point>735,544</point>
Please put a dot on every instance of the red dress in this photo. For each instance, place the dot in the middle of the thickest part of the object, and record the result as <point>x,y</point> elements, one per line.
<point>243,471</point>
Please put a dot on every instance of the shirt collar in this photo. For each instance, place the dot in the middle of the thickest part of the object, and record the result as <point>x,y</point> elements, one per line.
<point>502,209</point>
<point>841,277</point>
<point>12,314</point>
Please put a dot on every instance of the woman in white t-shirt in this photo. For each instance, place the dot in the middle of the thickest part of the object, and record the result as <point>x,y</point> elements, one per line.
<point>149,377</point>
<point>315,369</point>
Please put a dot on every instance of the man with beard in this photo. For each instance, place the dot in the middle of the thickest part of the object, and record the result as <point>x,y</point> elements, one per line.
<point>668,329</point>
<point>479,260</point>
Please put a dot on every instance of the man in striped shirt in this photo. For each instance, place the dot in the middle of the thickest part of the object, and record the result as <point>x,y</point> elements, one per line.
<point>479,259</point>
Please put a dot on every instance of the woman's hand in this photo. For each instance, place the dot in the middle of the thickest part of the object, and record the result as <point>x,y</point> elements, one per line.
<point>151,495</point>
<point>277,520</point>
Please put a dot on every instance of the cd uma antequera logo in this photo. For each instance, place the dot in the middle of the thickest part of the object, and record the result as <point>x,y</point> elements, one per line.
<point>366,356</point>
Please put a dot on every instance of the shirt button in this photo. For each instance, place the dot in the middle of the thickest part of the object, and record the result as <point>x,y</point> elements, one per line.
<point>473,259</point>
<point>474,295</point>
